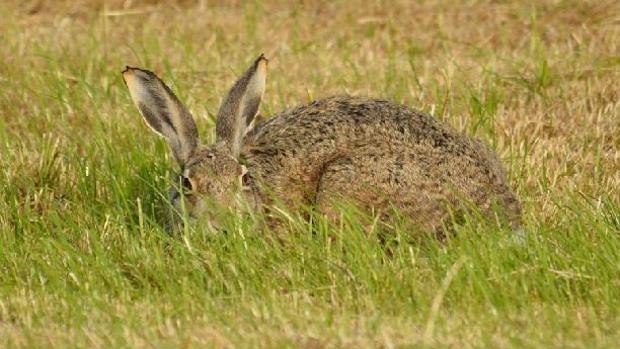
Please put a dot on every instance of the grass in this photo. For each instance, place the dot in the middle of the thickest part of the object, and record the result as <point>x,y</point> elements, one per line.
<point>84,261</point>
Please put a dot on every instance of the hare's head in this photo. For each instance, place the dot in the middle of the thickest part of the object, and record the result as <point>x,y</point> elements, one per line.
<point>210,174</point>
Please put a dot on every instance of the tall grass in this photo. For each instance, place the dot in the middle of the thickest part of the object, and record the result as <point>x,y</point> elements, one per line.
<point>85,262</point>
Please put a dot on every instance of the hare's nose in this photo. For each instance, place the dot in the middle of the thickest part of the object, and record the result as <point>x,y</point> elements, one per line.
<point>173,195</point>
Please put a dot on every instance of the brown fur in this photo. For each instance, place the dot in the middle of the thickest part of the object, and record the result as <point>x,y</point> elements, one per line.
<point>382,155</point>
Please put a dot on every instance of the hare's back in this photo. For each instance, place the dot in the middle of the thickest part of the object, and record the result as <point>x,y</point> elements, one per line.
<point>307,137</point>
<point>334,144</point>
<point>347,122</point>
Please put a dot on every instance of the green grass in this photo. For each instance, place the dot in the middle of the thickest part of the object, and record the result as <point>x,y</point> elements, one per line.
<point>85,262</point>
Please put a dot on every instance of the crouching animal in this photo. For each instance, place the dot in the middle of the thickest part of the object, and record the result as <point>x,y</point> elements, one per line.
<point>383,156</point>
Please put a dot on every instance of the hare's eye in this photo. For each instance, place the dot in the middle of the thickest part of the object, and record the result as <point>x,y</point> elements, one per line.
<point>186,183</point>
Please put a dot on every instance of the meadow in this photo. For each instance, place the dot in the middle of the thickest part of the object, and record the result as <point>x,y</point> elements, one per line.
<point>85,262</point>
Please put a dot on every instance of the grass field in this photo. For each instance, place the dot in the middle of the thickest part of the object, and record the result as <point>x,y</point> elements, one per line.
<point>84,261</point>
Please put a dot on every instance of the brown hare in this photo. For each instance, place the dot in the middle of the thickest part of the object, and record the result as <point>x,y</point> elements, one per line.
<point>383,156</point>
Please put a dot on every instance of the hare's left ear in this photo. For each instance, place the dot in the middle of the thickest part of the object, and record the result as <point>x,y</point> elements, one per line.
<point>163,112</point>
<point>241,105</point>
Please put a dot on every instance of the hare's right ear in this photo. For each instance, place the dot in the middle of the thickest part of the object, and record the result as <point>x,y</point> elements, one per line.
<point>163,111</point>
<point>241,105</point>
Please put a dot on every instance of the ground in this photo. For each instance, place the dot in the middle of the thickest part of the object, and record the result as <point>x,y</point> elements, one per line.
<point>84,261</point>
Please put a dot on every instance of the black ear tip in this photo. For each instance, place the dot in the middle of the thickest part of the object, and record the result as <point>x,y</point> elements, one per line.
<point>139,73</point>
<point>128,69</point>
<point>261,58</point>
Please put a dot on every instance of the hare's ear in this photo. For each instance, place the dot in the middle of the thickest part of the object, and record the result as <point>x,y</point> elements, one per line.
<point>241,105</point>
<point>163,111</point>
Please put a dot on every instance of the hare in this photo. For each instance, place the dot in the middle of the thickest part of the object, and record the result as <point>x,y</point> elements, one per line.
<point>383,156</point>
